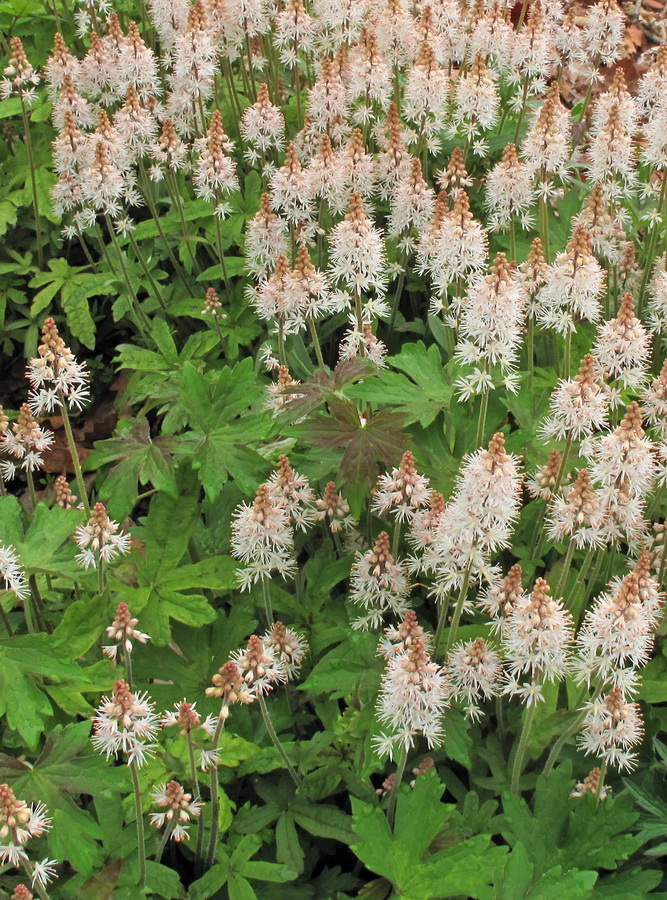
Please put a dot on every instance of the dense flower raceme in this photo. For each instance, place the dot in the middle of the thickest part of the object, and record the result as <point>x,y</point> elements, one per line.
<point>178,809</point>
<point>477,520</point>
<point>100,539</point>
<point>126,723</point>
<point>18,823</point>
<point>412,701</point>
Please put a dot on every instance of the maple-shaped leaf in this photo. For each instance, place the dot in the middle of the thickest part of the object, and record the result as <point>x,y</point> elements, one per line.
<point>139,459</point>
<point>324,384</point>
<point>422,392</point>
<point>366,441</point>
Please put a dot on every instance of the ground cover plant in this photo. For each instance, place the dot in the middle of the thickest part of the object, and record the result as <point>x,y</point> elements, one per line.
<point>333,452</point>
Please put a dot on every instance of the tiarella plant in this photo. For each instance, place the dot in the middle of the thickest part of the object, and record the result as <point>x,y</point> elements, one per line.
<point>333,528</point>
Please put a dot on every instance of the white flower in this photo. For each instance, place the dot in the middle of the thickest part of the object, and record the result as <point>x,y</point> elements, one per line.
<point>99,539</point>
<point>12,572</point>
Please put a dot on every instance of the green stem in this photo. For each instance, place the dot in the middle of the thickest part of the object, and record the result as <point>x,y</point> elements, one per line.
<point>128,668</point>
<point>268,609</point>
<point>566,355</point>
<point>177,202</point>
<point>296,778</point>
<point>196,793</point>
<point>663,559</point>
<point>5,619</point>
<point>397,297</point>
<point>33,181</point>
<point>544,220</point>
<point>215,790</point>
<point>598,793</point>
<point>530,351</point>
<point>522,111</point>
<point>650,256</point>
<point>27,867</point>
<point>596,572</point>
<point>396,538</point>
<point>578,584</point>
<point>517,769</point>
<point>31,490</point>
<point>38,602</point>
<point>76,463</point>
<point>221,255</point>
<point>147,272</point>
<point>484,405</point>
<point>141,840</point>
<point>567,734</point>
<point>163,841</point>
<point>142,319</point>
<point>564,572</point>
<point>316,342</point>
<point>456,618</point>
<point>442,618</point>
<point>396,787</point>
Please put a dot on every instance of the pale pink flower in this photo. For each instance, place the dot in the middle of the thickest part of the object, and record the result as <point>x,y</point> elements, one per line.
<point>262,538</point>
<point>573,286</point>
<point>622,347</point>
<point>179,808</point>
<point>578,514</point>
<point>263,124</point>
<point>579,405</point>
<point>266,239</point>
<point>612,727</point>
<point>333,509</point>
<point>379,584</point>
<point>292,491</point>
<point>357,253</point>
<point>402,492</point>
<point>412,700</point>
<point>100,539</point>
<point>127,723</point>
<point>123,631</point>
<point>536,641</point>
<point>288,646</point>
<point>260,665</point>
<point>474,671</point>
<point>509,191</point>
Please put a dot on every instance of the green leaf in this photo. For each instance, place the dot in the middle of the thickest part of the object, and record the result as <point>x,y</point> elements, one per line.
<point>163,881</point>
<point>288,846</point>
<point>24,660</point>
<point>422,395</point>
<point>139,459</point>
<point>403,856</point>
<point>458,743</point>
<point>211,882</point>
<point>49,530</point>
<point>79,320</point>
<point>224,426</point>
<point>217,573</point>
<point>239,888</point>
<point>266,871</point>
<point>83,623</point>
<point>323,821</point>
<point>467,868</point>
<point>8,215</point>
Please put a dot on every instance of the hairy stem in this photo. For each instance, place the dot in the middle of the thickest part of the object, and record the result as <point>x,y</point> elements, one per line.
<point>141,840</point>
<point>396,787</point>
